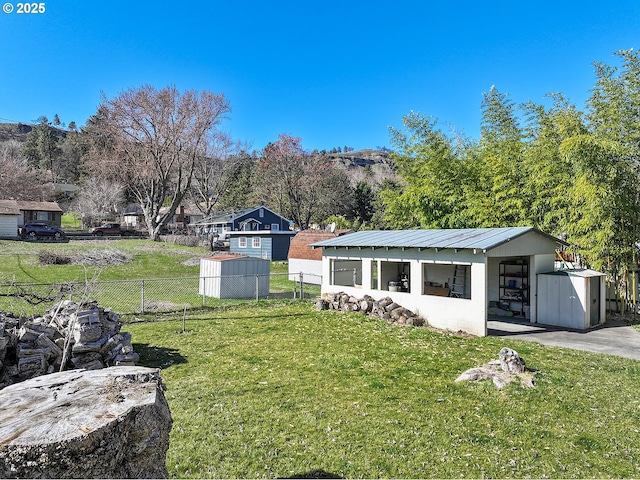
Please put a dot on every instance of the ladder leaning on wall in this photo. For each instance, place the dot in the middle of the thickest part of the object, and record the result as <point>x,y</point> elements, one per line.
<point>459,283</point>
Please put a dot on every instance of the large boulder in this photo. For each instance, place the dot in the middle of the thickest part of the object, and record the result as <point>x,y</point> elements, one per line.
<point>108,423</point>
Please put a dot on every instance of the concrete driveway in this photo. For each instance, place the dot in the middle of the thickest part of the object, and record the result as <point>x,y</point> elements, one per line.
<point>613,338</point>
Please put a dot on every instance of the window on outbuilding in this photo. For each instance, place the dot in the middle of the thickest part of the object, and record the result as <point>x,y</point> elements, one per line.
<point>446,280</point>
<point>395,276</point>
<point>347,273</point>
<point>256,242</point>
<point>242,242</point>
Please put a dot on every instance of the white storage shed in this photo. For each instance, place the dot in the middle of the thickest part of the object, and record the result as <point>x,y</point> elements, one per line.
<point>9,213</point>
<point>572,298</point>
<point>234,276</point>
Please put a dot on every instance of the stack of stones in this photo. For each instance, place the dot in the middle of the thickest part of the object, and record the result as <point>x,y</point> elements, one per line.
<point>68,336</point>
<point>385,308</point>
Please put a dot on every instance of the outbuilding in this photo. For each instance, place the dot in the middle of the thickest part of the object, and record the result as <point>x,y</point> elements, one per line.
<point>234,276</point>
<point>573,298</point>
<point>9,215</point>
<point>449,276</point>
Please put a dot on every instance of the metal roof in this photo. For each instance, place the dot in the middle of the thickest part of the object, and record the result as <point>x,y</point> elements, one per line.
<point>472,238</point>
<point>577,272</point>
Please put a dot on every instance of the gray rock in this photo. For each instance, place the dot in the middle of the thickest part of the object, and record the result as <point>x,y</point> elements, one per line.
<point>109,423</point>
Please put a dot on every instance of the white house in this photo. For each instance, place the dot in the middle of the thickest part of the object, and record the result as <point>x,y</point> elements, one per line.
<point>449,277</point>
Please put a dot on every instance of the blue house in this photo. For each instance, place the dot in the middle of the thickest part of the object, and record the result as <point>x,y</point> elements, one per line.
<point>256,232</point>
<point>246,220</point>
<point>265,244</point>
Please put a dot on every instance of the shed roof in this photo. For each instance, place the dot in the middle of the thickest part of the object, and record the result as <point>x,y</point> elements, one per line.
<point>226,257</point>
<point>462,238</point>
<point>9,207</point>
<point>300,244</point>
<point>39,206</point>
<point>577,272</point>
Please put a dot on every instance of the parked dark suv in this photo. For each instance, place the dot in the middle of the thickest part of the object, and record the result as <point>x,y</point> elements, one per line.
<point>35,230</point>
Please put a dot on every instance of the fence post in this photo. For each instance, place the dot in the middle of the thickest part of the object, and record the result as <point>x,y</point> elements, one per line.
<point>301,287</point>
<point>355,277</point>
<point>257,287</point>
<point>142,298</point>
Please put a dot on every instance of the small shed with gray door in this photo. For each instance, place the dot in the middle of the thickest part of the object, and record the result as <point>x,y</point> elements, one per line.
<point>9,213</point>
<point>234,276</point>
<point>572,298</point>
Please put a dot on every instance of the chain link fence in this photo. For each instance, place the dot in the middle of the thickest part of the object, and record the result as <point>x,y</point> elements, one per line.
<point>155,295</point>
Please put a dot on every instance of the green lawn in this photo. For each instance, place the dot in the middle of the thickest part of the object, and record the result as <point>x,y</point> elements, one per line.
<point>19,262</point>
<point>281,390</point>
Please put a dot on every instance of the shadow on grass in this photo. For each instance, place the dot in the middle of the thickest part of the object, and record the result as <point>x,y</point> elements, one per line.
<point>319,473</point>
<point>157,357</point>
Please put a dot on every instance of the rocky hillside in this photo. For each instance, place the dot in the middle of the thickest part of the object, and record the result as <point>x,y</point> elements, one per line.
<point>362,158</point>
<point>14,131</point>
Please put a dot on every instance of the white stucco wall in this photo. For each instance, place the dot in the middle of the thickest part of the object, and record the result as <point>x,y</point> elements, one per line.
<point>311,270</point>
<point>450,313</point>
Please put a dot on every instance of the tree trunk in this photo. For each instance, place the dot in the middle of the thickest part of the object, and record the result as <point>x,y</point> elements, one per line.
<point>109,423</point>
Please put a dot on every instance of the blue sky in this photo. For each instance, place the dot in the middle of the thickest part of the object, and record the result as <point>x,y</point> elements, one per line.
<point>334,73</point>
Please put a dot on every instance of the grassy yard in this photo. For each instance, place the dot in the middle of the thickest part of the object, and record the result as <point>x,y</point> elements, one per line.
<point>20,262</point>
<point>281,390</point>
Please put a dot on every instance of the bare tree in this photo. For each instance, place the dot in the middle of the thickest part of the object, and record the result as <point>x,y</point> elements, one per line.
<point>213,175</point>
<point>302,185</point>
<point>151,140</point>
<point>17,179</point>
<point>98,199</point>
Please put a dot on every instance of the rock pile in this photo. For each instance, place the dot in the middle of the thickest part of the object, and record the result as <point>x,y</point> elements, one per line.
<point>384,308</point>
<point>509,366</point>
<point>68,336</point>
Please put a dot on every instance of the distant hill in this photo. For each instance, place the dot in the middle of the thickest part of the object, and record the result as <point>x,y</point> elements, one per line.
<point>362,158</point>
<point>14,131</point>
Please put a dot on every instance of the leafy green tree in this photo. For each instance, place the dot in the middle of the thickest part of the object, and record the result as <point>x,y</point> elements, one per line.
<point>42,149</point>
<point>434,169</point>
<point>499,197</point>
<point>549,175</point>
<point>363,202</point>
<point>606,192</point>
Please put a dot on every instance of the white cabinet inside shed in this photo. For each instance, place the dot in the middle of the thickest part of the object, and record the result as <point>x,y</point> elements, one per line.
<point>571,298</point>
<point>234,276</point>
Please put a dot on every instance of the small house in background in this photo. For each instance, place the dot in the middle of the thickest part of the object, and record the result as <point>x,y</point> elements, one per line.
<point>133,216</point>
<point>305,260</point>
<point>183,216</point>
<point>49,212</point>
<point>265,244</point>
<point>260,218</point>
<point>234,276</point>
<point>9,215</point>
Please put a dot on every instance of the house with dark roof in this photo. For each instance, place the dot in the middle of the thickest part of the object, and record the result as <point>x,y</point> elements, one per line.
<point>256,232</point>
<point>49,212</point>
<point>454,278</point>
<point>258,218</point>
